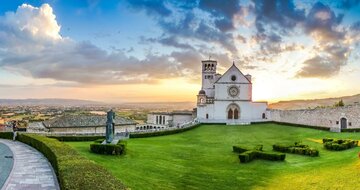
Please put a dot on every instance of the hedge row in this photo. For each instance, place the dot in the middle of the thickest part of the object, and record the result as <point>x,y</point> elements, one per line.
<point>239,149</point>
<point>73,170</point>
<point>77,138</point>
<point>351,130</point>
<point>302,126</point>
<point>339,144</point>
<point>109,149</point>
<point>296,149</point>
<point>6,135</point>
<point>161,133</point>
<point>247,155</point>
<point>255,154</point>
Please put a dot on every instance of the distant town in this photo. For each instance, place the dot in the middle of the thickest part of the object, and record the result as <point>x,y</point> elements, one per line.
<point>37,112</point>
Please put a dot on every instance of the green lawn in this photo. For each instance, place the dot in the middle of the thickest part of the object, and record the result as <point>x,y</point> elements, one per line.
<point>202,158</point>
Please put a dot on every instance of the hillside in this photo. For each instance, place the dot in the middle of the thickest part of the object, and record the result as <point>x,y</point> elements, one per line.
<point>303,104</point>
<point>48,102</point>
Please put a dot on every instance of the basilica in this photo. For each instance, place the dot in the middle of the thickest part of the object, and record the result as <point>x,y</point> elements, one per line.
<point>227,98</point>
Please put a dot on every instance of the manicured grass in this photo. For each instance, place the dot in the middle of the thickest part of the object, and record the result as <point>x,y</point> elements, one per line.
<point>202,158</point>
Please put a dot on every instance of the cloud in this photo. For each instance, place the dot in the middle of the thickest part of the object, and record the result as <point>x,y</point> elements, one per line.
<point>283,13</point>
<point>171,41</point>
<point>355,26</point>
<point>321,67</point>
<point>275,19</point>
<point>152,7</point>
<point>190,20</point>
<point>224,11</point>
<point>322,23</point>
<point>31,44</point>
<point>332,48</point>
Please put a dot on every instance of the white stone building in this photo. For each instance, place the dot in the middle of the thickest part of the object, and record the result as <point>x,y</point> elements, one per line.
<point>227,98</point>
<point>164,120</point>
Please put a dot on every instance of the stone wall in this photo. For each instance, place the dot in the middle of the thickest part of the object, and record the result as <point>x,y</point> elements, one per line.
<point>322,117</point>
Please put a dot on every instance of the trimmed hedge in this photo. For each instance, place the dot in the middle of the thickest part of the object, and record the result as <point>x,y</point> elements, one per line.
<point>339,144</point>
<point>327,140</point>
<point>109,149</point>
<point>73,170</point>
<point>76,138</point>
<point>255,154</point>
<point>6,135</point>
<point>297,149</point>
<point>351,130</point>
<point>303,126</point>
<point>247,155</point>
<point>239,149</point>
<point>161,133</point>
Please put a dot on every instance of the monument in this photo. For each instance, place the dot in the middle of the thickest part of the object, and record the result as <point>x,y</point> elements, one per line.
<point>110,126</point>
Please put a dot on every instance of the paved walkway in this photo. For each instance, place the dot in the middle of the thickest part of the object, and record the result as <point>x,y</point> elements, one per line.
<point>31,170</point>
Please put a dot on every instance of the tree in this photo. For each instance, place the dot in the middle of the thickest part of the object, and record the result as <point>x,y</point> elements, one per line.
<point>339,104</point>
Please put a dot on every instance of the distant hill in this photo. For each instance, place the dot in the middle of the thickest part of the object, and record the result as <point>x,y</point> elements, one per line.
<point>160,106</point>
<point>48,102</point>
<point>303,104</point>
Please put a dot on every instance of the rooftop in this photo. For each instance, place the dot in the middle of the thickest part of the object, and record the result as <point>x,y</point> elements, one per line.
<point>85,121</point>
<point>173,113</point>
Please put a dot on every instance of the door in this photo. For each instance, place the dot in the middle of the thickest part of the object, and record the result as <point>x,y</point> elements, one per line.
<point>343,122</point>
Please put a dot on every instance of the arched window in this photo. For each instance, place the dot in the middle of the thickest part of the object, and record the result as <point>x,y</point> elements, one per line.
<point>233,111</point>
<point>263,116</point>
<point>236,113</point>
<point>164,120</point>
<point>207,116</point>
<point>230,114</point>
<point>157,119</point>
<point>160,119</point>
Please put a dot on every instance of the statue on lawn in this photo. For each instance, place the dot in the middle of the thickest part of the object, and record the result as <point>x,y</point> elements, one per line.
<point>110,126</point>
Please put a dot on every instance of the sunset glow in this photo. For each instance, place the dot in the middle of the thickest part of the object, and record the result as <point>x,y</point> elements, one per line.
<point>151,51</point>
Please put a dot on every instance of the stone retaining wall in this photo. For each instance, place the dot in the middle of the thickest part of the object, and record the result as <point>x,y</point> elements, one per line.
<point>322,117</point>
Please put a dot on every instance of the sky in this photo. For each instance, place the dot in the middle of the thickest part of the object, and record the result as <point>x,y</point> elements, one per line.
<point>150,50</point>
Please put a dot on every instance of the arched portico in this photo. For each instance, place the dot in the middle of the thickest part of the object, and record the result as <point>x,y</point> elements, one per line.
<point>233,111</point>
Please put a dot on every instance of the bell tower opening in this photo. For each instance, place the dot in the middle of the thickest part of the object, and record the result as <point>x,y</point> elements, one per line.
<point>208,74</point>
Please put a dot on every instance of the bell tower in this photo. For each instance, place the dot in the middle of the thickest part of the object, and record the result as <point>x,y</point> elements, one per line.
<point>208,74</point>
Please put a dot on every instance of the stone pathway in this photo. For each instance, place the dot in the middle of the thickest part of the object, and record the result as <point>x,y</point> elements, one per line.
<point>31,170</point>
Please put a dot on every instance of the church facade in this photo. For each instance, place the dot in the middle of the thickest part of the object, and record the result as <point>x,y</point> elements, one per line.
<point>227,98</point>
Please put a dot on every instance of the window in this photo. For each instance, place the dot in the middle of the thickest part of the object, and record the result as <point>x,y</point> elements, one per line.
<point>209,77</point>
<point>337,122</point>
<point>233,78</point>
<point>349,123</point>
<point>230,114</point>
<point>207,116</point>
<point>236,114</point>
